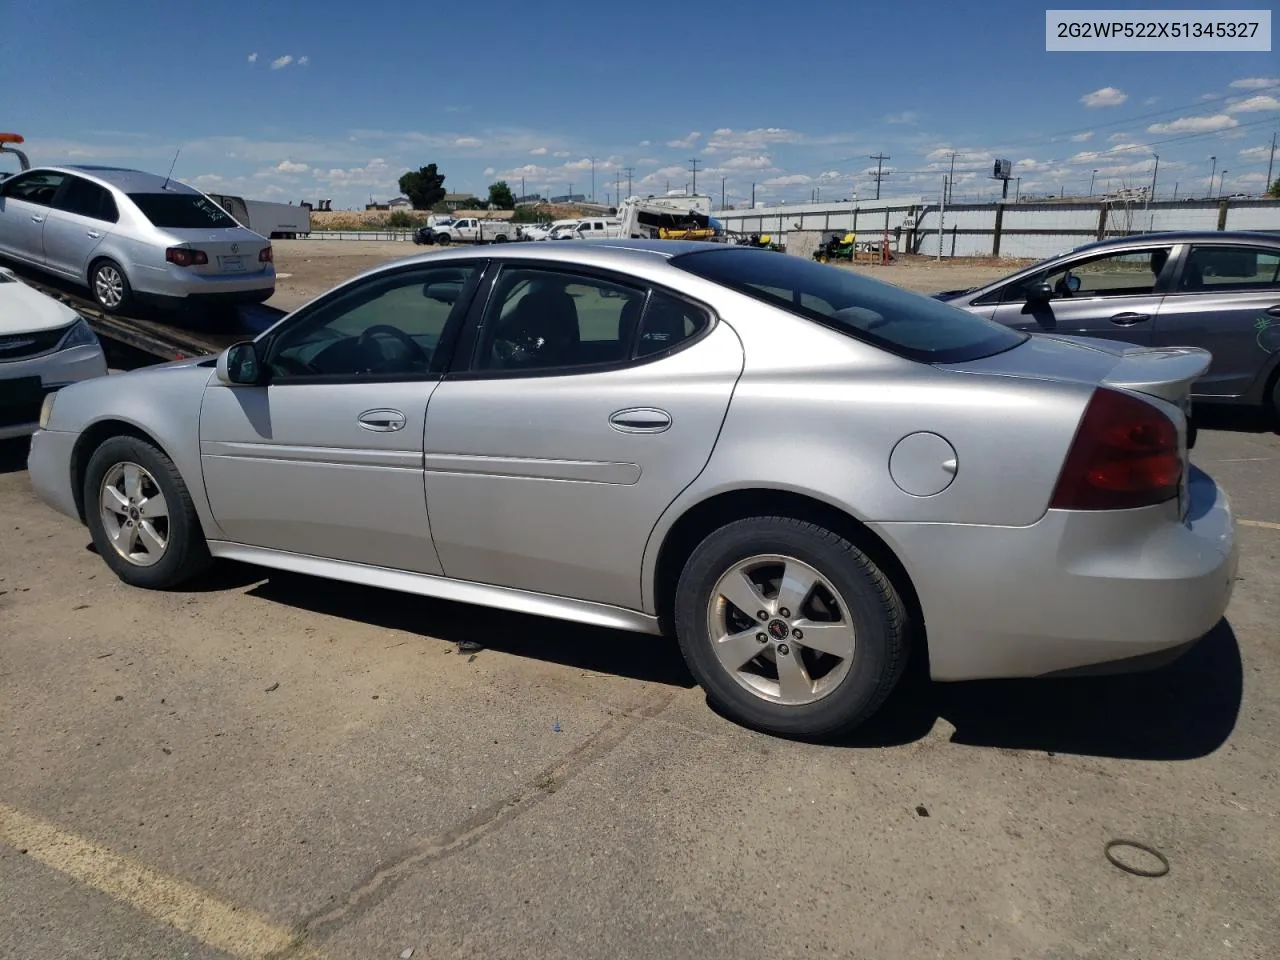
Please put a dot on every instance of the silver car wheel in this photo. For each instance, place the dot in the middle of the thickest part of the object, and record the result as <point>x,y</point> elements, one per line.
<point>134,514</point>
<point>108,286</point>
<point>781,629</point>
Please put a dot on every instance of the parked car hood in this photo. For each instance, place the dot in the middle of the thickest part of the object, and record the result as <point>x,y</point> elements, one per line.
<point>24,309</point>
<point>1164,372</point>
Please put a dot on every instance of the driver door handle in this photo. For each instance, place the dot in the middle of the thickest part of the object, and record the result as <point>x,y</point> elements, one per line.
<point>1129,319</point>
<point>93,234</point>
<point>640,420</point>
<point>1274,311</point>
<point>381,421</point>
<point>37,219</point>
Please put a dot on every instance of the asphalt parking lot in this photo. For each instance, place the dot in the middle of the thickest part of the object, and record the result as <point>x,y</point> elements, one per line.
<point>269,765</point>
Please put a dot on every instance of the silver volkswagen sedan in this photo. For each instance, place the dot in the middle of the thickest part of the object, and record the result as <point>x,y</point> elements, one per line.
<point>803,474</point>
<point>130,236</point>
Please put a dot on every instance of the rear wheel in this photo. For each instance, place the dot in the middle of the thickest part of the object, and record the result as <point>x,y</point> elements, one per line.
<point>110,287</point>
<point>140,515</point>
<point>789,627</point>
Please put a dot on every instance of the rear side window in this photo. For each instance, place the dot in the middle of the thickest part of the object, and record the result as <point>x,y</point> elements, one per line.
<point>88,200</point>
<point>1230,268</point>
<point>908,324</point>
<point>181,211</point>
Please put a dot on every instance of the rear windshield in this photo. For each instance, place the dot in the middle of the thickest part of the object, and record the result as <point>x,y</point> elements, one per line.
<point>908,324</point>
<point>180,211</point>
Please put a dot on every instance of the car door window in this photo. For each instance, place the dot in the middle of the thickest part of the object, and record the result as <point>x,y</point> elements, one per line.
<point>88,200</point>
<point>668,322</point>
<point>387,327</point>
<point>1127,274</point>
<point>39,186</point>
<point>544,319</point>
<point>1222,268</point>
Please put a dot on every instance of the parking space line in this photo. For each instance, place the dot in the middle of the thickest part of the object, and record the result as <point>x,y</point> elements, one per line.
<point>1264,524</point>
<point>200,915</point>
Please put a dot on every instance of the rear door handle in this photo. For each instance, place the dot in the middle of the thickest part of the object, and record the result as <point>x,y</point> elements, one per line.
<point>382,420</point>
<point>37,219</point>
<point>1274,311</point>
<point>94,234</point>
<point>640,420</point>
<point>1129,319</point>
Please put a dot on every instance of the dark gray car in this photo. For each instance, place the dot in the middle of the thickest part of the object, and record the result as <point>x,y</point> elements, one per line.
<point>1210,289</point>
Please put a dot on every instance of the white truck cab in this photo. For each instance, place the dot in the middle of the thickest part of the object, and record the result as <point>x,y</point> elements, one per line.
<point>476,230</point>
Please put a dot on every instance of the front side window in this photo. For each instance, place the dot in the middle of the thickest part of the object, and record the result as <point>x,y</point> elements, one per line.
<point>1128,274</point>
<point>181,211</point>
<point>1221,268</point>
<point>39,186</point>
<point>387,326</point>
<point>907,324</point>
<point>545,319</point>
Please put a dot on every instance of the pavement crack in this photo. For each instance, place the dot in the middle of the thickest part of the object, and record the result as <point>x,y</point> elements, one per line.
<point>382,881</point>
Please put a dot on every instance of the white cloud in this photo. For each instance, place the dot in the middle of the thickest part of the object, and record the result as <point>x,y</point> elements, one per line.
<point>1150,100</point>
<point>467,142</point>
<point>663,174</point>
<point>375,173</point>
<point>906,116</point>
<point>1255,153</point>
<point>288,166</point>
<point>748,162</point>
<point>1254,104</point>
<point>1082,137</point>
<point>1117,137</point>
<point>529,170</point>
<point>757,139</point>
<point>253,58</point>
<point>489,171</point>
<point>644,143</point>
<point>790,180</point>
<point>583,164</point>
<point>1104,97</point>
<point>562,153</point>
<point>1207,96</point>
<point>303,61</point>
<point>686,143</point>
<point>1254,83</point>
<point>279,63</point>
<point>1219,121</point>
<point>538,151</point>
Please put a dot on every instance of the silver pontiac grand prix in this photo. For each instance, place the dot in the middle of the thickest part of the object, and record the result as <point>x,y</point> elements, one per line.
<point>803,474</point>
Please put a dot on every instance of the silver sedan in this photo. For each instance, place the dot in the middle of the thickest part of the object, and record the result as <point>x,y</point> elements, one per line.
<point>805,475</point>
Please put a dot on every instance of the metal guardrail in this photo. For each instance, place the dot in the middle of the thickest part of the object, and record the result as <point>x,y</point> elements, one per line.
<point>392,235</point>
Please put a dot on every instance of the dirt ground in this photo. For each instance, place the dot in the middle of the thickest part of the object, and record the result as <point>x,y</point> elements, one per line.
<point>313,266</point>
<point>265,765</point>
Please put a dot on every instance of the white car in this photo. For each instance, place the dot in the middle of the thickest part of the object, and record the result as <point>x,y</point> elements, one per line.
<point>44,345</point>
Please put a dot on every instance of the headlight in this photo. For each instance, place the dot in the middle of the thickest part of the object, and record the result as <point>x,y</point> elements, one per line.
<point>46,410</point>
<point>80,335</point>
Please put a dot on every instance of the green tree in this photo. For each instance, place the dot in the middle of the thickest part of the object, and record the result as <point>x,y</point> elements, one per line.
<point>1274,191</point>
<point>500,197</point>
<point>399,220</point>
<point>424,186</point>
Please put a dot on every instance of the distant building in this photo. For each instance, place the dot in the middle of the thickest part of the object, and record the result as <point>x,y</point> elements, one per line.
<point>400,203</point>
<point>530,198</point>
<point>459,201</point>
<point>570,198</point>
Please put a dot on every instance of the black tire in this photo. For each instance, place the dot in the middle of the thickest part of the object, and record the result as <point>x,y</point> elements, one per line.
<point>187,553</point>
<point>443,239</point>
<point>874,608</point>
<point>500,238</point>
<point>126,291</point>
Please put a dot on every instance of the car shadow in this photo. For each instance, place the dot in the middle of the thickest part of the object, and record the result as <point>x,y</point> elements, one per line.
<point>13,455</point>
<point>1235,419</point>
<point>1184,710</point>
<point>639,656</point>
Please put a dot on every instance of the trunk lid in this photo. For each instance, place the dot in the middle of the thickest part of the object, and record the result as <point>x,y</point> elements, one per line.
<point>232,251</point>
<point>1166,373</point>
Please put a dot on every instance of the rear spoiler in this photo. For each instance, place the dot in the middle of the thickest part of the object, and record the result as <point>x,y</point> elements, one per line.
<point>1164,372</point>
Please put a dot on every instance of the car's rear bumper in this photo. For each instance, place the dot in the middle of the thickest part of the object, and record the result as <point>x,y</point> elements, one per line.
<point>55,370</point>
<point>212,299</point>
<point>1074,590</point>
<point>172,284</point>
<point>49,468</point>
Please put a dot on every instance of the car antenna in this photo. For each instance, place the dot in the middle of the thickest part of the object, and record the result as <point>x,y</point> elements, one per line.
<point>171,166</point>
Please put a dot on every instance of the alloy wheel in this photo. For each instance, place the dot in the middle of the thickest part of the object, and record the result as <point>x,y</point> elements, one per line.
<point>108,285</point>
<point>134,514</point>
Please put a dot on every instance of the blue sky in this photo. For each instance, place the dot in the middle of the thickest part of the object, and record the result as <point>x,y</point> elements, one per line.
<point>292,101</point>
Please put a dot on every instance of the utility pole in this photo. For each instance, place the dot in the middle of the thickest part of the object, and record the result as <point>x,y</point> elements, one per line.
<point>693,165</point>
<point>1221,179</point>
<point>879,158</point>
<point>722,180</point>
<point>593,179</point>
<point>753,196</point>
<point>1017,190</point>
<point>1270,160</point>
<point>951,177</point>
<point>628,171</point>
<point>1212,172</point>
<point>617,188</point>
<point>522,193</point>
<point>571,193</point>
<point>1154,171</point>
<point>1092,177</point>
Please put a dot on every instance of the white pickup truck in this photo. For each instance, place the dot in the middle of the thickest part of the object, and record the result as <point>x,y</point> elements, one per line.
<point>476,230</point>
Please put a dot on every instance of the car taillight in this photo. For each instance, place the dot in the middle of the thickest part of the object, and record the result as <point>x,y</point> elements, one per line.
<point>266,256</point>
<point>185,257</point>
<point>1124,455</point>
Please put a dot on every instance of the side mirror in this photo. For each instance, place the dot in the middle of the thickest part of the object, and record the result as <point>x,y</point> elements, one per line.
<point>239,365</point>
<point>1039,293</point>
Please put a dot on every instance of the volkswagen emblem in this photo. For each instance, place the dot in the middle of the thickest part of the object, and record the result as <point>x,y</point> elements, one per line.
<point>235,248</point>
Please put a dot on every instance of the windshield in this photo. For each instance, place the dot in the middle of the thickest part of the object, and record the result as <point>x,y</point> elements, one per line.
<point>179,211</point>
<point>908,324</point>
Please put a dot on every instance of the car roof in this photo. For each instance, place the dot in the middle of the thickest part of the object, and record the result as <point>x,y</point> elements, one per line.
<point>612,252</point>
<point>123,178</point>
<point>1181,236</point>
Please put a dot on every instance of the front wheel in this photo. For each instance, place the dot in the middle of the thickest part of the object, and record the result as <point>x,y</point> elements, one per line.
<point>789,627</point>
<point>443,239</point>
<point>110,286</point>
<point>140,515</point>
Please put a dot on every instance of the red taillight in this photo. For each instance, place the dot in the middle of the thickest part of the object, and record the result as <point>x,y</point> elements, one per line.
<point>266,256</point>
<point>1124,455</point>
<point>185,257</point>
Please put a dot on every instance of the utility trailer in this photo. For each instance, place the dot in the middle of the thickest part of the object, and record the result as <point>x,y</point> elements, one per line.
<point>275,221</point>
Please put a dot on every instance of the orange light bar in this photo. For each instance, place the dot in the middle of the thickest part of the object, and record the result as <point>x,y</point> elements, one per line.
<point>12,138</point>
